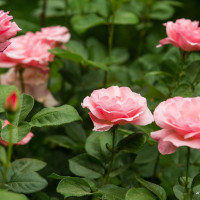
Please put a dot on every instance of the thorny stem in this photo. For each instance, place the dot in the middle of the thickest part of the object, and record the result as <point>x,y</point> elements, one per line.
<point>9,155</point>
<point>114,153</point>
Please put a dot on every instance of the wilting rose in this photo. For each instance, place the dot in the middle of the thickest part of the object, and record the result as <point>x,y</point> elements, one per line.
<point>11,102</point>
<point>58,34</point>
<point>179,119</point>
<point>8,29</point>
<point>183,34</point>
<point>25,140</point>
<point>35,82</point>
<point>117,105</point>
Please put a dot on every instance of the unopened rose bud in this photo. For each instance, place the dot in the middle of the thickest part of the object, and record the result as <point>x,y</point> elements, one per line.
<point>11,103</point>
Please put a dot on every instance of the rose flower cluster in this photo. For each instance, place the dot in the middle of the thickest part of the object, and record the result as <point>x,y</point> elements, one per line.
<point>30,53</point>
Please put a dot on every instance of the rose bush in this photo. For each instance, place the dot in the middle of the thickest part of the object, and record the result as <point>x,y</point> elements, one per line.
<point>25,140</point>
<point>183,34</point>
<point>179,119</point>
<point>8,29</point>
<point>117,105</point>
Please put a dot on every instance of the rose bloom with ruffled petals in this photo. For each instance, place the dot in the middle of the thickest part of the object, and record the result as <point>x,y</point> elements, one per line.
<point>184,34</point>
<point>35,82</point>
<point>117,106</point>
<point>8,29</point>
<point>25,140</point>
<point>58,34</point>
<point>179,119</point>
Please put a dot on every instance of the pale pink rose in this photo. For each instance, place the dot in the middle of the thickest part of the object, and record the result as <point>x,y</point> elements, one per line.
<point>117,105</point>
<point>58,34</point>
<point>7,29</point>
<point>35,82</point>
<point>179,119</point>
<point>27,51</point>
<point>183,34</point>
<point>25,140</point>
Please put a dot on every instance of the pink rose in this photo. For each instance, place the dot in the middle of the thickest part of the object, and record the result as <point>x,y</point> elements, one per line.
<point>179,119</point>
<point>11,103</point>
<point>35,82</point>
<point>7,29</point>
<point>117,105</point>
<point>25,140</point>
<point>58,34</point>
<point>27,51</point>
<point>183,34</point>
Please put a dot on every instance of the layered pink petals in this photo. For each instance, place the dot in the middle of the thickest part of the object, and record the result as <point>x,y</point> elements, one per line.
<point>179,119</point>
<point>25,140</point>
<point>32,49</point>
<point>7,29</point>
<point>117,105</point>
<point>183,34</point>
<point>35,81</point>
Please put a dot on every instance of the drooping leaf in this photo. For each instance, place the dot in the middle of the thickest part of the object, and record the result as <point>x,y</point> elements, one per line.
<point>139,194</point>
<point>156,189</point>
<point>86,166</point>
<point>132,143</point>
<point>73,186</point>
<point>54,116</point>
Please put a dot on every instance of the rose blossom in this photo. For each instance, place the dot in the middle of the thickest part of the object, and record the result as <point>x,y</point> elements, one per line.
<point>7,29</point>
<point>117,105</point>
<point>35,82</point>
<point>32,49</point>
<point>11,103</point>
<point>179,119</point>
<point>183,34</point>
<point>58,34</point>
<point>25,140</point>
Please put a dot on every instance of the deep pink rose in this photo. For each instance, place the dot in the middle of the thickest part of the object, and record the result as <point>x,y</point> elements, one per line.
<point>35,82</point>
<point>179,119</point>
<point>58,34</point>
<point>183,34</point>
<point>11,103</point>
<point>25,140</point>
<point>117,105</point>
<point>7,29</point>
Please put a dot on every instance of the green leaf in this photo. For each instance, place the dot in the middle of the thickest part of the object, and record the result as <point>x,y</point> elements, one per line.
<point>184,90</point>
<point>99,6</point>
<point>125,18</point>
<point>112,192</point>
<point>156,189</point>
<point>11,196</point>
<point>56,176</point>
<point>27,164</point>
<point>193,71</point>
<point>2,155</point>
<point>96,145</point>
<point>77,58</point>
<point>139,194</point>
<point>132,143</point>
<point>81,23</point>
<point>55,116</point>
<point>196,181</point>
<point>73,186</point>
<point>179,192</point>
<point>86,166</point>
<point>26,182</point>
<point>5,90</point>
<point>26,103</point>
<point>18,132</point>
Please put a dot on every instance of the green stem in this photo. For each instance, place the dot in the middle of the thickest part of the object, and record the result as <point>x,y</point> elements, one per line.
<point>21,79</point>
<point>43,14</point>
<point>114,153</point>
<point>187,169</point>
<point>9,155</point>
<point>156,166</point>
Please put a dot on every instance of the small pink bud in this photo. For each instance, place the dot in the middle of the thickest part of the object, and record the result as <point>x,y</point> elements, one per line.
<point>11,102</point>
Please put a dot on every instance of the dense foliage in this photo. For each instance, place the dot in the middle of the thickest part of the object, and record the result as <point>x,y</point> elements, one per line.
<point>109,43</point>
